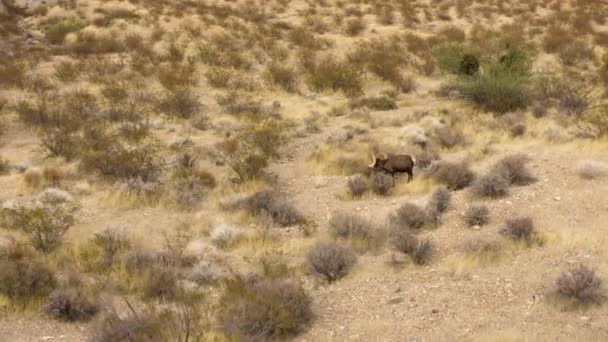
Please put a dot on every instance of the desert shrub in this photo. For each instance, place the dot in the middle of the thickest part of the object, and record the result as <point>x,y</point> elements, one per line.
<point>266,308</point>
<point>88,43</point>
<point>26,279</point>
<point>331,260</point>
<point>514,169</point>
<point>354,26</point>
<point>223,235</point>
<point>71,305</point>
<point>477,215</point>
<point>66,71</point>
<point>238,103</point>
<point>5,166</point>
<point>43,225</point>
<point>492,184</point>
<point>349,226</point>
<point>56,33</point>
<point>521,229</point>
<point>276,206</point>
<point>174,76</point>
<point>332,74</point>
<point>12,73</point>
<point>134,327</point>
<point>248,165</point>
<point>457,59</point>
<point>111,242</point>
<point>574,53</point>
<point>591,169</point>
<point>499,89</point>
<point>454,176</point>
<point>381,183</point>
<point>409,216</point>
<point>440,200</point>
<point>518,129</point>
<point>180,102</point>
<point>449,138</point>
<point>121,161</point>
<point>60,143</point>
<point>581,284</point>
<point>383,58</point>
<point>357,185</point>
<point>420,251</point>
<point>160,283</point>
<point>283,76</point>
<point>376,103</point>
<point>595,123</point>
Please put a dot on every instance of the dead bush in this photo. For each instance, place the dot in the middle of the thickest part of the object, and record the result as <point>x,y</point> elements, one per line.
<point>25,279</point>
<point>521,229</point>
<point>181,103</point>
<point>581,284</point>
<point>134,327</point>
<point>355,26</point>
<point>266,308</point>
<point>382,183</point>
<point>449,138</point>
<point>591,169</point>
<point>440,200</point>
<point>283,76</point>
<point>349,226</point>
<point>276,206</point>
<point>492,185</point>
<point>409,216</point>
<point>111,242</point>
<point>12,73</point>
<point>379,103</point>
<point>71,305</point>
<point>160,283</point>
<point>331,73</point>
<point>455,176</point>
<point>357,185</point>
<point>477,215</point>
<point>420,251</point>
<point>518,129</point>
<point>514,169</point>
<point>331,260</point>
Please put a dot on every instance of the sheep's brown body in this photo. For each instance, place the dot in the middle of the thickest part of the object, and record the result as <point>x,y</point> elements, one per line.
<point>395,164</point>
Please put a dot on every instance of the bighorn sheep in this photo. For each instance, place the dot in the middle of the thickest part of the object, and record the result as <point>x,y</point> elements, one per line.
<point>400,163</point>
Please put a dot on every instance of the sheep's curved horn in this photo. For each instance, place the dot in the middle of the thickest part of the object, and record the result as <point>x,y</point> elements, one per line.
<point>373,161</point>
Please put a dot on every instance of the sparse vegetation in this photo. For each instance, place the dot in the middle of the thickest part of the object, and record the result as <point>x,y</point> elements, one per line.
<point>455,176</point>
<point>382,183</point>
<point>22,280</point>
<point>266,308</point>
<point>275,206</point>
<point>357,185</point>
<point>477,215</point>
<point>581,284</point>
<point>71,305</point>
<point>521,229</point>
<point>331,260</point>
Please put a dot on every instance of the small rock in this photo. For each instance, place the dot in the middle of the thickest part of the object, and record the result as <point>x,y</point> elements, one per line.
<point>557,198</point>
<point>435,311</point>
<point>585,318</point>
<point>476,227</point>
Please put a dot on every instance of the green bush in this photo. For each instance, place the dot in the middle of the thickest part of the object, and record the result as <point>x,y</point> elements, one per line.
<point>503,85</point>
<point>56,33</point>
<point>498,90</point>
<point>43,225</point>
<point>22,280</point>
<point>457,59</point>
